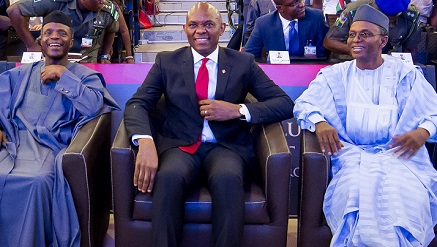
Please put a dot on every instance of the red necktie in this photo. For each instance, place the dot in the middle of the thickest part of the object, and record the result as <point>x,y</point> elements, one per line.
<point>202,93</point>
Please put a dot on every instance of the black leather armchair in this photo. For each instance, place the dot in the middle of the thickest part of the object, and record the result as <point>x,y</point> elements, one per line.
<point>86,166</point>
<point>315,176</point>
<point>266,208</point>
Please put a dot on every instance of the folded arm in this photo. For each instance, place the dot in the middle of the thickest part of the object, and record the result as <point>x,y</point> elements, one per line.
<point>84,97</point>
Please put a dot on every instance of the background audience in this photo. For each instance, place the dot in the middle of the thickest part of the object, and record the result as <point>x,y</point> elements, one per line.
<point>404,33</point>
<point>291,27</point>
<point>94,23</point>
<point>256,9</point>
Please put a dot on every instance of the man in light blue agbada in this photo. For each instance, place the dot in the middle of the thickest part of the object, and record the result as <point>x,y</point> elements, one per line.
<point>42,105</point>
<point>373,115</point>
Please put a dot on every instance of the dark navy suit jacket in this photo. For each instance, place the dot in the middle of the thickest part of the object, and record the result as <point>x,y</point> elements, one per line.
<point>268,33</point>
<point>173,75</point>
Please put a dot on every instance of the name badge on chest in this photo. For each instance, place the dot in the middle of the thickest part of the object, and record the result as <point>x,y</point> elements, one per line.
<point>87,42</point>
<point>309,49</point>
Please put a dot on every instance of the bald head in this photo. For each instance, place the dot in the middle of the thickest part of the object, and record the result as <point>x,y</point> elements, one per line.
<point>206,8</point>
<point>203,28</point>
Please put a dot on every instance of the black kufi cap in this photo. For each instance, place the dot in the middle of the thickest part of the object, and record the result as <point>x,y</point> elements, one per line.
<point>57,16</point>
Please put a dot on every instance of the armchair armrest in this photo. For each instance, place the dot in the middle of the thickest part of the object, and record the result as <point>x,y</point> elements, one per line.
<point>86,167</point>
<point>123,166</point>
<point>274,159</point>
<point>314,175</point>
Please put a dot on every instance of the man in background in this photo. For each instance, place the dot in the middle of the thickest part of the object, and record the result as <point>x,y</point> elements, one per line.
<point>94,24</point>
<point>404,33</point>
<point>256,9</point>
<point>291,27</point>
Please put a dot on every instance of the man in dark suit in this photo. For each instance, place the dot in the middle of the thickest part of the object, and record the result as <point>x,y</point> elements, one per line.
<point>272,31</point>
<point>217,120</point>
<point>256,9</point>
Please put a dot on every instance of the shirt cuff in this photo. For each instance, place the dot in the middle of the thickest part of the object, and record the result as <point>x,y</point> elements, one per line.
<point>430,127</point>
<point>313,120</point>
<point>135,137</point>
<point>247,115</point>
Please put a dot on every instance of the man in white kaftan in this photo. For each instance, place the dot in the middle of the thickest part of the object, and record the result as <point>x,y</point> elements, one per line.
<point>373,116</point>
<point>42,105</point>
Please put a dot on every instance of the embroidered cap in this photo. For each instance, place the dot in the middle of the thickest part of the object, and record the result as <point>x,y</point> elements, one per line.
<point>57,16</point>
<point>368,13</point>
<point>392,7</point>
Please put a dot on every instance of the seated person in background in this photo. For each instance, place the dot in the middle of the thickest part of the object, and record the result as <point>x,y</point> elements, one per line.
<point>42,106</point>
<point>256,9</point>
<point>291,27</point>
<point>206,134</point>
<point>94,24</point>
<point>404,33</point>
<point>374,115</point>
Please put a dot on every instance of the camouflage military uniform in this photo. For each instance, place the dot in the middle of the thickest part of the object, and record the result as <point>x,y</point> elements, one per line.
<point>90,25</point>
<point>404,30</point>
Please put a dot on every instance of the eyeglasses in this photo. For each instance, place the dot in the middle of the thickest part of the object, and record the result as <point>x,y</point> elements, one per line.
<point>294,3</point>
<point>363,35</point>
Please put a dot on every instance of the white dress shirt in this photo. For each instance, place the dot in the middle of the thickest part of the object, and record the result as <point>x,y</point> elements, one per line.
<point>212,66</point>
<point>286,29</point>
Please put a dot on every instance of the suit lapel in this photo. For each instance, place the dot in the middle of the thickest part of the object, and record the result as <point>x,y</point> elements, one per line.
<point>224,69</point>
<point>277,31</point>
<point>187,71</point>
<point>303,25</point>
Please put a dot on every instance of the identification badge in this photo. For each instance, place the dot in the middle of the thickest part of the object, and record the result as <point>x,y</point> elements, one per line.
<point>309,51</point>
<point>86,42</point>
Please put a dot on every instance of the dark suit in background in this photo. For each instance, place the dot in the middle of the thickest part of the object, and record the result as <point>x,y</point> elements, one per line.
<point>268,33</point>
<point>256,9</point>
